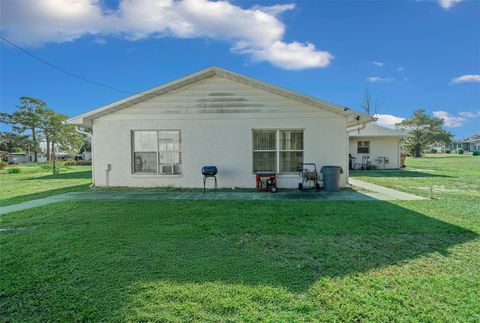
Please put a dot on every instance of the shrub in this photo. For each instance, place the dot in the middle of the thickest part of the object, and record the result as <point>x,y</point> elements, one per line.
<point>433,151</point>
<point>17,150</point>
<point>13,170</point>
<point>69,162</point>
<point>45,166</point>
<point>447,151</point>
<point>460,151</point>
<point>476,153</point>
<point>3,164</point>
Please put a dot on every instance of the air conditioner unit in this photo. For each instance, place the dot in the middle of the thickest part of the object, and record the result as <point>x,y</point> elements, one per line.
<point>171,169</point>
<point>166,169</point>
<point>177,169</point>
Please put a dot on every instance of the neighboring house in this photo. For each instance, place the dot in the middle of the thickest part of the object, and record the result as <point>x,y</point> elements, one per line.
<point>61,155</point>
<point>84,156</point>
<point>25,157</point>
<point>470,145</point>
<point>440,148</point>
<point>163,136</point>
<point>3,155</point>
<point>378,145</point>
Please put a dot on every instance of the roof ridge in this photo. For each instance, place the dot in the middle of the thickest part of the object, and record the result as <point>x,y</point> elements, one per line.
<point>192,78</point>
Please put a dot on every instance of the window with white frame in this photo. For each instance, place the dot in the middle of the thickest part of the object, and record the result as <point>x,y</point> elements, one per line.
<point>363,147</point>
<point>291,150</point>
<point>277,151</point>
<point>264,150</point>
<point>156,152</point>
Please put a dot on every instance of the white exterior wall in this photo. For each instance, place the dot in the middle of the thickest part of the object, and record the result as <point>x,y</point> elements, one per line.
<point>216,118</point>
<point>25,158</point>
<point>379,147</point>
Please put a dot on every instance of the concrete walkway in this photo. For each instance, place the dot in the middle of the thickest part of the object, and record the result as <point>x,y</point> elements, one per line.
<point>31,204</point>
<point>384,191</point>
<point>376,192</point>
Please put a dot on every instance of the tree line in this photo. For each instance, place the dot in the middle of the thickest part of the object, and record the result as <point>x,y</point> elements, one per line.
<point>423,130</point>
<point>33,122</point>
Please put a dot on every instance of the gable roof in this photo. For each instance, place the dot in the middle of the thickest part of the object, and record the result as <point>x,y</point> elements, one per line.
<point>85,119</point>
<point>467,141</point>
<point>374,130</point>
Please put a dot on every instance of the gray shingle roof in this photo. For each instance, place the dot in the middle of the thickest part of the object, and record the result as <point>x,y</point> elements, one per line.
<point>374,130</point>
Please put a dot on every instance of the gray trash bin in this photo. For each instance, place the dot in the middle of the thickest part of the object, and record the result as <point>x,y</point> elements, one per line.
<point>331,178</point>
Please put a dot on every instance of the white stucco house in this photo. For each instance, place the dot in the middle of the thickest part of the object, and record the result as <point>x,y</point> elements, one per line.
<point>25,157</point>
<point>163,136</point>
<point>378,145</point>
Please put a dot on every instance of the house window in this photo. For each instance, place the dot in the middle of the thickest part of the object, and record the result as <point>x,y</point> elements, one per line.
<point>145,152</point>
<point>156,152</point>
<point>277,151</point>
<point>363,147</point>
<point>291,150</point>
<point>264,150</point>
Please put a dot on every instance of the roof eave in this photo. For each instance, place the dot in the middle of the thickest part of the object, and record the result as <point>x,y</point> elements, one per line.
<point>86,118</point>
<point>80,121</point>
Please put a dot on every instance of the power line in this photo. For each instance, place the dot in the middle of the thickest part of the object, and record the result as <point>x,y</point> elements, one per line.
<point>63,70</point>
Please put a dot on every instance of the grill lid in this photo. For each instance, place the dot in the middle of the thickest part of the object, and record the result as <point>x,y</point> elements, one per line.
<point>209,170</point>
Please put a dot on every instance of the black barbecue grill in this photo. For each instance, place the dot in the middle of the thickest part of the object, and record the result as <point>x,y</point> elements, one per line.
<point>209,172</point>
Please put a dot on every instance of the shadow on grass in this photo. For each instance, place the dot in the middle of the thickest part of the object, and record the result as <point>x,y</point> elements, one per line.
<point>115,252</point>
<point>38,195</point>
<point>392,173</point>
<point>66,175</point>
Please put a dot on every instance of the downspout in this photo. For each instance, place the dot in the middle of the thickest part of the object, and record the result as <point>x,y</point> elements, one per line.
<point>90,137</point>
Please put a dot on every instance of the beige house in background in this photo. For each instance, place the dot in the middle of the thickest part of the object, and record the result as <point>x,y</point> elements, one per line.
<point>380,144</point>
<point>163,136</point>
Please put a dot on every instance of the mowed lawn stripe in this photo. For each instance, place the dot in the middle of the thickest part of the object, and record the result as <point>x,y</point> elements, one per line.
<point>237,260</point>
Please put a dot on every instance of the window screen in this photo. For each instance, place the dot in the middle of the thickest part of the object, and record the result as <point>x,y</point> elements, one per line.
<point>156,152</point>
<point>363,147</point>
<point>291,150</point>
<point>264,150</point>
<point>287,150</point>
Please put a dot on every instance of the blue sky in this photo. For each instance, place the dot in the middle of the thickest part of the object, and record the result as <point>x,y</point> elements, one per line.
<point>410,54</point>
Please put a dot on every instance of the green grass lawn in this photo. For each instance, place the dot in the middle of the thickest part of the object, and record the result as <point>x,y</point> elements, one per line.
<point>33,182</point>
<point>450,176</point>
<point>250,260</point>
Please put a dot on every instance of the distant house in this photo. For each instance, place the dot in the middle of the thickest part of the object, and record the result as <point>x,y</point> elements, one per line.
<point>84,156</point>
<point>25,157</point>
<point>163,136</point>
<point>470,145</point>
<point>3,155</point>
<point>375,145</point>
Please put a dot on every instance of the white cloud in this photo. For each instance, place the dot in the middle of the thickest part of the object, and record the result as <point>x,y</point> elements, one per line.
<point>277,9</point>
<point>466,79</point>
<point>292,56</point>
<point>447,4</point>
<point>388,120</point>
<point>448,119</point>
<point>458,120</point>
<point>256,31</point>
<point>379,64</point>
<point>470,114</point>
<point>452,121</point>
<point>378,79</point>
